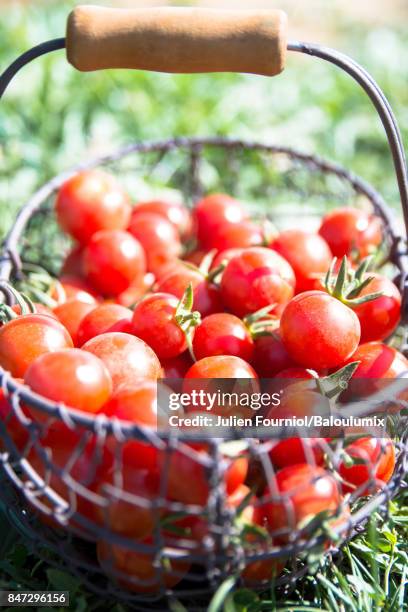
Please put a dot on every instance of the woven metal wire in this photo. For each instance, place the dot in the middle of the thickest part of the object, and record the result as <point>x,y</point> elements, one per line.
<point>274,181</point>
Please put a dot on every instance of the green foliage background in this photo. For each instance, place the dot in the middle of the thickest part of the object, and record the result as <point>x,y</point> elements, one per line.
<point>53,116</point>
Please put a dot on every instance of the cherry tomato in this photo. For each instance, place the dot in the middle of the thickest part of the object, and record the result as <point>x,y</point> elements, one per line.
<point>23,339</point>
<point>137,571</point>
<point>222,334</point>
<point>262,570</point>
<point>235,236</point>
<point>102,319</point>
<point>304,491</point>
<point>350,229</point>
<point>223,257</point>
<point>188,479</point>
<point>297,373</point>
<point>177,367</point>
<point>221,366</point>
<point>75,288</point>
<point>62,444</point>
<point>374,466</point>
<point>177,214</point>
<point>72,264</point>
<point>154,322</point>
<point>271,356</point>
<point>380,317</point>
<point>39,309</point>
<point>256,278</point>
<point>138,289</point>
<point>71,314</point>
<point>76,378</point>
<point>201,375</point>
<point>127,358</point>
<point>89,202</point>
<point>207,298</point>
<point>319,331</point>
<point>195,257</point>
<point>214,211</point>
<point>113,260</point>
<point>137,403</point>
<point>134,518</point>
<point>308,254</point>
<point>298,450</point>
<point>379,365</point>
<point>158,237</point>
<point>378,361</point>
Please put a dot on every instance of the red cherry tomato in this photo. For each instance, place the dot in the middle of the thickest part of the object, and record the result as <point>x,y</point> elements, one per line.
<point>223,257</point>
<point>127,358</point>
<point>379,365</point>
<point>76,378</point>
<point>305,491</point>
<point>137,571</point>
<point>221,366</point>
<point>222,334</point>
<point>158,237</point>
<point>188,479</point>
<point>129,518</point>
<point>72,264</point>
<point>378,361</point>
<point>39,309</point>
<point>102,319</point>
<point>177,367</point>
<point>138,289</point>
<point>297,373</point>
<point>262,570</point>
<point>308,254</point>
<point>137,403</point>
<point>207,298</point>
<point>195,257</point>
<point>74,288</point>
<point>113,260</point>
<point>256,278</point>
<point>318,331</point>
<point>380,317</point>
<point>214,211</point>
<point>199,379</point>
<point>177,214</point>
<point>154,322</point>
<point>89,202</point>
<point>350,229</point>
<point>375,463</point>
<point>271,356</point>
<point>71,314</point>
<point>298,450</point>
<point>62,445</point>
<point>235,236</point>
<point>23,339</point>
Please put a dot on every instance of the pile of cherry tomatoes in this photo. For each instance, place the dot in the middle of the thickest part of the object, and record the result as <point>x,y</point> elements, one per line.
<point>153,290</point>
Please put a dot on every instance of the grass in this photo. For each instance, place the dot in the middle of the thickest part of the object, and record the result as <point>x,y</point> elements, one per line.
<point>53,117</point>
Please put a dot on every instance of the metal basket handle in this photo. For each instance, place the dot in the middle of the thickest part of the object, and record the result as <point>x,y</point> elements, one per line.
<point>201,40</point>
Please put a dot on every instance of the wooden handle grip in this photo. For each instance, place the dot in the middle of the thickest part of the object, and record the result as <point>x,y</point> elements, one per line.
<point>177,40</point>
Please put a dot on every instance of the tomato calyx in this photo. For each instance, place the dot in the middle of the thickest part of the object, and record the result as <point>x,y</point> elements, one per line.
<point>261,322</point>
<point>23,301</point>
<point>187,318</point>
<point>333,385</point>
<point>38,284</point>
<point>348,284</point>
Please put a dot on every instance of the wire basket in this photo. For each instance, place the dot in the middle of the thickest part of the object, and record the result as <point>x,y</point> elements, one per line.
<point>198,540</point>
